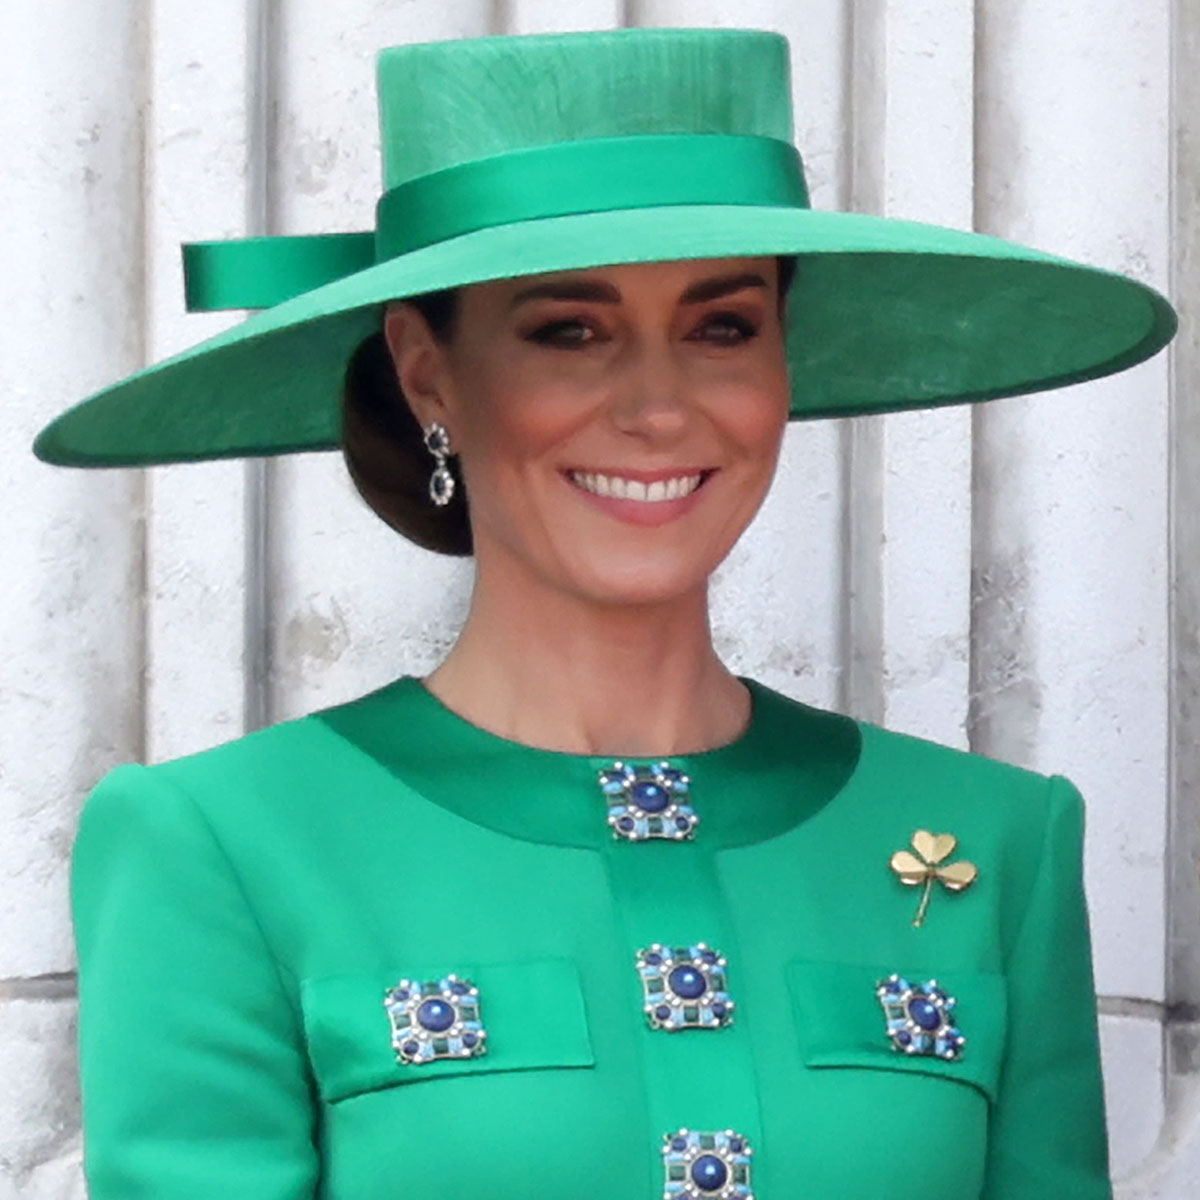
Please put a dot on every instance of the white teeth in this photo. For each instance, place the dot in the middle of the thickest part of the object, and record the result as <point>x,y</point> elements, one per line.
<point>634,489</point>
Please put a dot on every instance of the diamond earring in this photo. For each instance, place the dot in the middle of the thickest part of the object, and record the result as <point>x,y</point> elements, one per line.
<point>441,482</point>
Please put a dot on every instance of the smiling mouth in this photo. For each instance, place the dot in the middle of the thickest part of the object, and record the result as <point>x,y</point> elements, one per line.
<point>617,487</point>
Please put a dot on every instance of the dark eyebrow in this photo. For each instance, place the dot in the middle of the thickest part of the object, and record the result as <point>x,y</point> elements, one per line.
<point>584,289</point>
<point>721,285</point>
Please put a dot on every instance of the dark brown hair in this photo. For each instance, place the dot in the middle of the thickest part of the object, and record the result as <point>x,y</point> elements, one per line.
<point>384,447</point>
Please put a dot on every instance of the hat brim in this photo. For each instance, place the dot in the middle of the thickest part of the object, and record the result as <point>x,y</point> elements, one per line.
<point>883,315</point>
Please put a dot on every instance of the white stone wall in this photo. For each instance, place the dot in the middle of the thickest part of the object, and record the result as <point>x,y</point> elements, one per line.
<point>1022,579</point>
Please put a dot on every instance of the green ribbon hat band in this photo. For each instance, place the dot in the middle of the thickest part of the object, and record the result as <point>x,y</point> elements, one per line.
<point>589,175</point>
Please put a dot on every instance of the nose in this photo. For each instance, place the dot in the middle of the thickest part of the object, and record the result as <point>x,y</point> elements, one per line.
<point>651,394</point>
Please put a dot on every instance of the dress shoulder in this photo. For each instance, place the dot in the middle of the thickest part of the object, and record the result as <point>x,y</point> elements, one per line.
<point>977,783</point>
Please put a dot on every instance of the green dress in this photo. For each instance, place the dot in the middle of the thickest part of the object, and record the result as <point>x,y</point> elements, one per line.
<point>377,952</point>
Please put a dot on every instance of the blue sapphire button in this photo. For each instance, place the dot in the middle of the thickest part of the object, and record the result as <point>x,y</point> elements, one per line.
<point>925,1013</point>
<point>706,1166</point>
<point>648,800</point>
<point>684,987</point>
<point>709,1173</point>
<point>650,797</point>
<point>687,983</point>
<point>437,1018</point>
<point>436,1015</point>
<point>919,1018</point>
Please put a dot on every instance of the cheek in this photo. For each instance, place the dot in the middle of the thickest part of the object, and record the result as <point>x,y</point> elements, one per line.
<point>511,419</point>
<point>517,423</point>
<point>753,413</point>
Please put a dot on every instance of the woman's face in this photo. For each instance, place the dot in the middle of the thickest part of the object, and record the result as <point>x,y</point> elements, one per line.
<point>617,427</point>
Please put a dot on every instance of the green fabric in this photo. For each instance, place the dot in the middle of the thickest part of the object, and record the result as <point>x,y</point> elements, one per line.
<point>981,1003</point>
<point>883,315</point>
<point>588,176</point>
<point>548,181</point>
<point>260,272</point>
<point>537,1007</point>
<point>804,754</point>
<point>239,912</point>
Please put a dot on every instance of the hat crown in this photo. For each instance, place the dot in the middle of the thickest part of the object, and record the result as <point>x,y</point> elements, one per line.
<point>447,103</point>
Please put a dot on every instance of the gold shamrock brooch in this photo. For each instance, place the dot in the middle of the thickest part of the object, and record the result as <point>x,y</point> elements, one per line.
<point>928,864</point>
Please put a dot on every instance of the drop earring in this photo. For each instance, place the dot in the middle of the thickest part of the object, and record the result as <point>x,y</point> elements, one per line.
<point>441,482</point>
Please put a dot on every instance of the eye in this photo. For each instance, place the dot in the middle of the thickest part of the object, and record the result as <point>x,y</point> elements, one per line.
<point>730,328</point>
<point>565,334</point>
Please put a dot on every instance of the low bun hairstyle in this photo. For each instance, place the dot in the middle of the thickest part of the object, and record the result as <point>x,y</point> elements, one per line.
<point>384,446</point>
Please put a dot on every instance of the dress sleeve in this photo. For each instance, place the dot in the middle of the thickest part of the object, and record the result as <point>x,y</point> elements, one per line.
<point>1048,1136</point>
<point>194,1078</point>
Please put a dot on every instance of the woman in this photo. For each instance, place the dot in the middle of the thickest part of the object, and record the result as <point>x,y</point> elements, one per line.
<point>583,912</point>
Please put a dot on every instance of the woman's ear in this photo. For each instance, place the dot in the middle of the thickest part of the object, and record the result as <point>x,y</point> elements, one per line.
<point>419,361</point>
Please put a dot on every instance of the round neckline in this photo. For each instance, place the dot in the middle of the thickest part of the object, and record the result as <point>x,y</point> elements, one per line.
<point>789,761</point>
<point>469,728</point>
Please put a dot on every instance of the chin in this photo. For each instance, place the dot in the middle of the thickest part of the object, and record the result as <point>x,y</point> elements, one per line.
<point>636,580</point>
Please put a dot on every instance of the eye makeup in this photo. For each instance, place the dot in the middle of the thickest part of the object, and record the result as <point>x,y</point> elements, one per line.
<point>555,333</point>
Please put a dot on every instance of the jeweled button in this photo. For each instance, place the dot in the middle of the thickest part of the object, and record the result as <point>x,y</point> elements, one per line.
<point>435,1018</point>
<point>648,800</point>
<point>684,987</point>
<point>701,1165</point>
<point>918,1018</point>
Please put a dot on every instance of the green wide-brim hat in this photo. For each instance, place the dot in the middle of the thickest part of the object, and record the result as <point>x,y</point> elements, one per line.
<point>510,156</point>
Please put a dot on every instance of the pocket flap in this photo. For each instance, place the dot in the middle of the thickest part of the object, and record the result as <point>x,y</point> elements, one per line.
<point>533,1012</point>
<point>841,1022</point>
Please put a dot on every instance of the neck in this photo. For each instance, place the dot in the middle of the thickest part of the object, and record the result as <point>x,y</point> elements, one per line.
<point>548,669</point>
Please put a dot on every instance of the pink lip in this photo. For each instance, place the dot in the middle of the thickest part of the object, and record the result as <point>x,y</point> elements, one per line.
<point>640,512</point>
